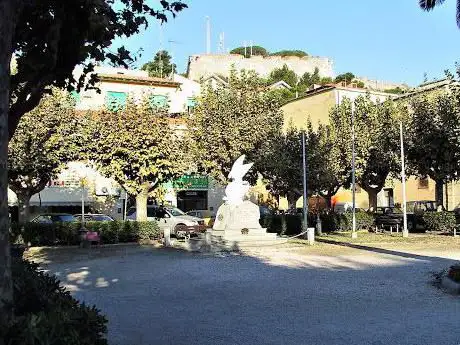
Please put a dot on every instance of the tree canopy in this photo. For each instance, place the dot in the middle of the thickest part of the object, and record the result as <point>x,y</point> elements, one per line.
<point>46,139</point>
<point>299,53</point>
<point>246,51</point>
<point>161,66</point>
<point>233,120</point>
<point>434,148</point>
<point>284,73</point>
<point>429,5</point>
<point>139,147</point>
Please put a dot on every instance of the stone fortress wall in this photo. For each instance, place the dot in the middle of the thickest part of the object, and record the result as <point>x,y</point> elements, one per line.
<point>202,66</point>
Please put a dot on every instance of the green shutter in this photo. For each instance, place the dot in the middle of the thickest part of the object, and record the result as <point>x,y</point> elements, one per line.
<point>159,101</point>
<point>115,100</point>
<point>191,102</point>
<point>75,96</point>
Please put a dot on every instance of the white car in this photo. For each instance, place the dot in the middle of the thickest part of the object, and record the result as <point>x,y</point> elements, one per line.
<point>171,218</point>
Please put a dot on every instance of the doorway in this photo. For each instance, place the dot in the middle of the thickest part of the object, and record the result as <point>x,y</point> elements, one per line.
<point>188,200</point>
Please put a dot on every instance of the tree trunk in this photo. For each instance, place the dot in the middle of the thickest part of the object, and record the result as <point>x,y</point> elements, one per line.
<point>7,26</point>
<point>141,204</point>
<point>372,198</point>
<point>328,200</point>
<point>24,207</point>
<point>439,193</point>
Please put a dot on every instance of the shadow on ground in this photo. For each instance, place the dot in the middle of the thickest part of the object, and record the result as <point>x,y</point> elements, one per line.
<point>277,296</point>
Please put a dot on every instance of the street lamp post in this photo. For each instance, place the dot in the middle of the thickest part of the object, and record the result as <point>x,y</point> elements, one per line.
<point>403,182</point>
<point>305,200</point>
<point>354,234</point>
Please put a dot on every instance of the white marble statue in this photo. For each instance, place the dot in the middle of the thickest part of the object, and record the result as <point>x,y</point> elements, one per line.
<point>237,213</point>
<point>237,189</point>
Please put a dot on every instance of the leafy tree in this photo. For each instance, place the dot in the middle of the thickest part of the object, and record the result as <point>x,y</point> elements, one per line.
<point>429,5</point>
<point>161,65</point>
<point>359,83</point>
<point>309,79</point>
<point>299,53</point>
<point>377,138</point>
<point>46,139</point>
<point>284,95</point>
<point>434,148</point>
<point>347,77</point>
<point>233,120</point>
<point>281,166</point>
<point>138,147</point>
<point>397,90</point>
<point>49,38</point>
<point>376,144</point>
<point>284,73</point>
<point>282,163</point>
<point>334,152</point>
<point>256,50</point>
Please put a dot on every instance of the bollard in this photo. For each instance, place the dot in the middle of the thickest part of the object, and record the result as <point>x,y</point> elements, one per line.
<point>311,236</point>
<point>208,237</point>
<point>167,237</point>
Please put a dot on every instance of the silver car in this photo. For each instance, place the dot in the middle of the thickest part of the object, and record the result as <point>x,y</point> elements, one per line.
<point>172,218</point>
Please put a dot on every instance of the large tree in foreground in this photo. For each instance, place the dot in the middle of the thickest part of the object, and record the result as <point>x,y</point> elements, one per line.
<point>429,5</point>
<point>49,38</point>
<point>139,147</point>
<point>434,146</point>
<point>46,139</point>
<point>233,120</point>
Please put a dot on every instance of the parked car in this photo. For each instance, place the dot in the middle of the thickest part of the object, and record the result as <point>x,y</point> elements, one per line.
<point>50,218</point>
<point>91,217</point>
<point>208,216</point>
<point>179,223</point>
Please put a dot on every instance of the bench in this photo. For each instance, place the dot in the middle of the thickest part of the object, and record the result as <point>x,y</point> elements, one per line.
<point>87,237</point>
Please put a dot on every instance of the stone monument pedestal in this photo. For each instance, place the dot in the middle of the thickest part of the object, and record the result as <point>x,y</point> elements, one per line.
<point>238,225</point>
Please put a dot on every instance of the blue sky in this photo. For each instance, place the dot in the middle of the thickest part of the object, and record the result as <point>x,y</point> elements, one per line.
<point>389,40</point>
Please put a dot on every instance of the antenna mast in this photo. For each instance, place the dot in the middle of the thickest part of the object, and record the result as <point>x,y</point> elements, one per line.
<point>208,35</point>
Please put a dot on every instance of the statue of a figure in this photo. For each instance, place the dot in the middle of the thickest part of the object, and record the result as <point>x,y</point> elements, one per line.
<point>237,213</point>
<point>237,189</point>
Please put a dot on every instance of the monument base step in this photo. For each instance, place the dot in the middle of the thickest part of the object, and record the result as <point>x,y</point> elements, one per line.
<point>232,242</point>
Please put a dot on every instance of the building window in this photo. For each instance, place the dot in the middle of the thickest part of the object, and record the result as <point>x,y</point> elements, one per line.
<point>115,100</point>
<point>423,183</point>
<point>159,101</point>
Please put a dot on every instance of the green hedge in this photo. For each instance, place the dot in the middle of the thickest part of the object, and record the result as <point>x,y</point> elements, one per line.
<point>292,224</point>
<point>45,313</point>
<point>439,221</point>
<point>67,233</point>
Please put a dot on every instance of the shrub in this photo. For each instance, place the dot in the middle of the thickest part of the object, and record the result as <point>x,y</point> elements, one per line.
<point>330,221</point>
<point>38,234</point>
<point>439,221</point>
<point>148,231</point>
<point>45,313</point>
<point>364,221</point>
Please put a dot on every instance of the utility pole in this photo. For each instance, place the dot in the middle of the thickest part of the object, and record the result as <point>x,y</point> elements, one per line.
<point>354,234</point>
<point>173,43</point>
<point>403,182</point>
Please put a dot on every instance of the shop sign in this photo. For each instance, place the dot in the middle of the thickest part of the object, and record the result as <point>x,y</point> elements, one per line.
<point>191,182</point>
